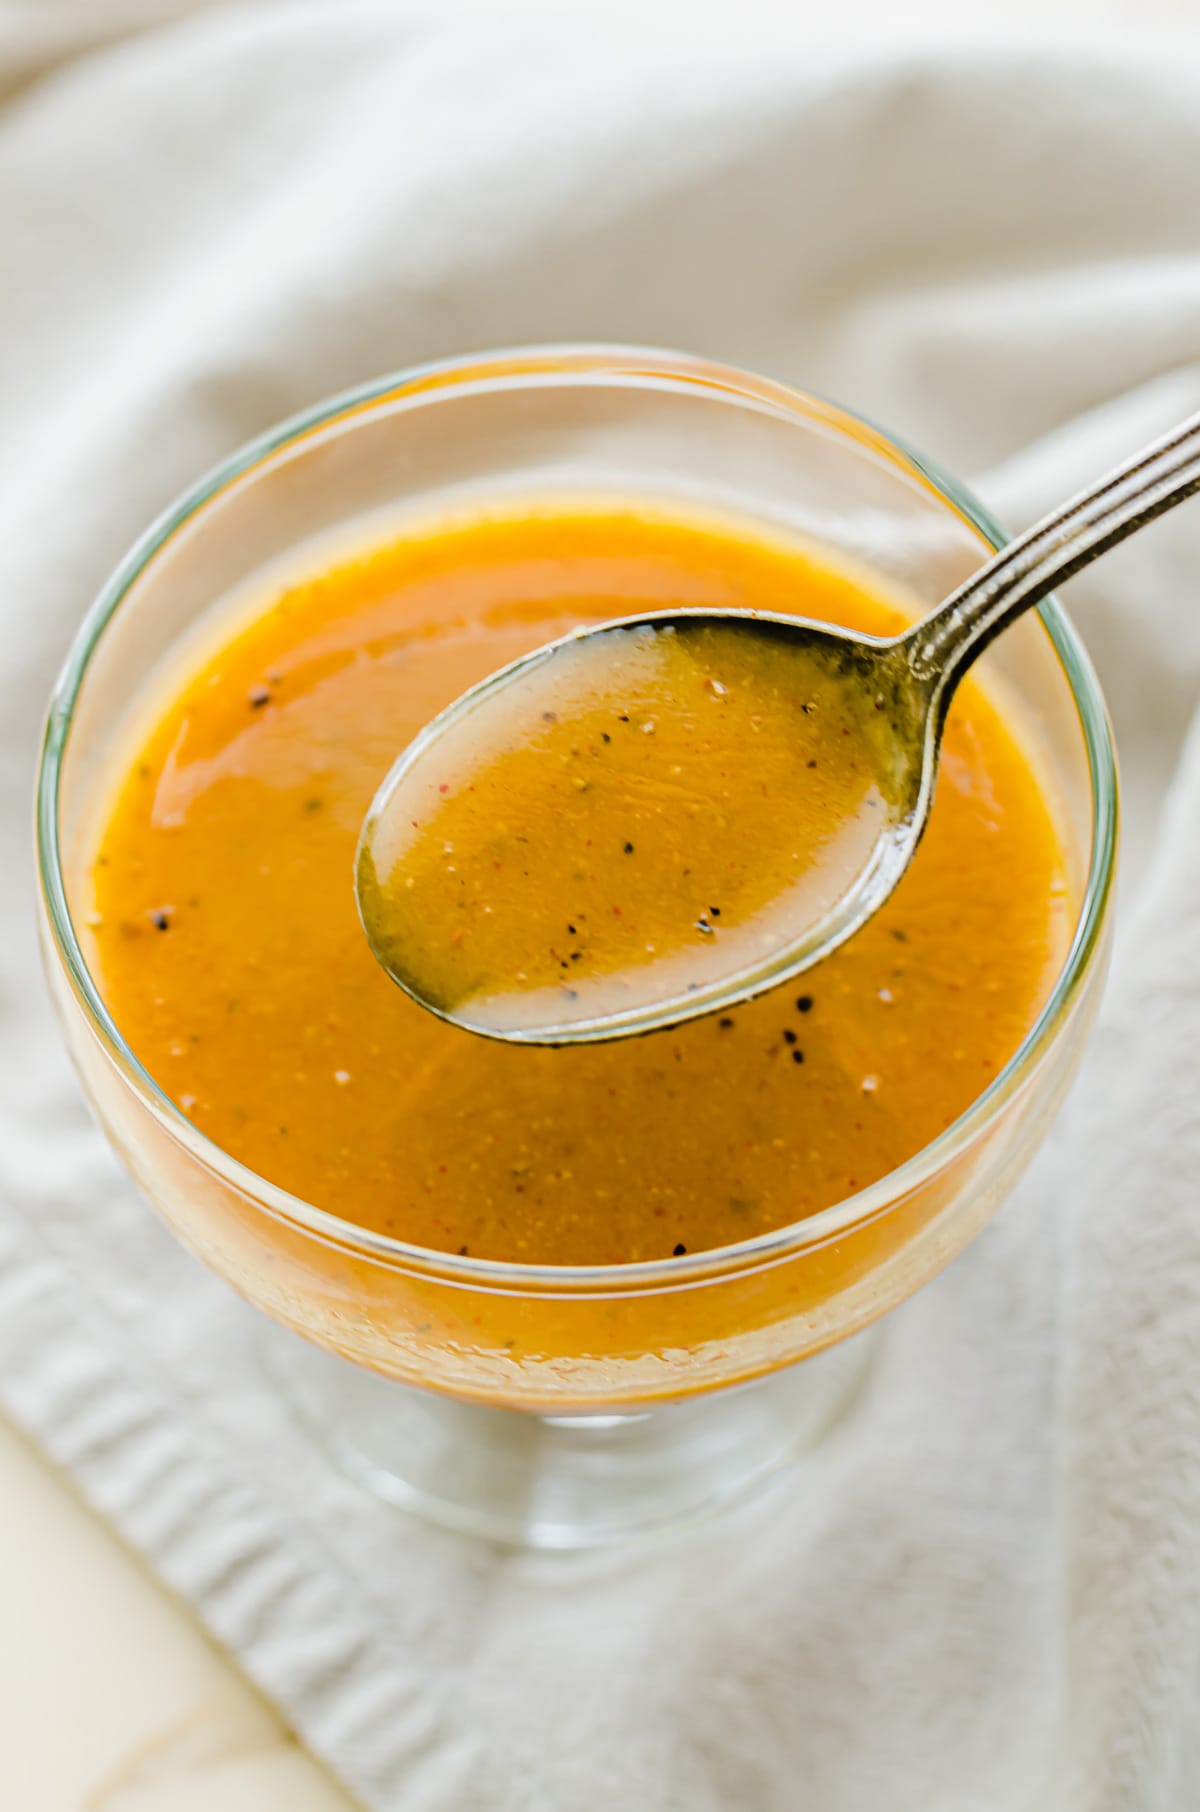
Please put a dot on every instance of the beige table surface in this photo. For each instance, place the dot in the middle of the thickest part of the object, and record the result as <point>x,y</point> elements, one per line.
<point>159,1720</point>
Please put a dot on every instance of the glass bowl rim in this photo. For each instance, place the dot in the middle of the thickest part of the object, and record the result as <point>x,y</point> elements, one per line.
<point>633,367</point>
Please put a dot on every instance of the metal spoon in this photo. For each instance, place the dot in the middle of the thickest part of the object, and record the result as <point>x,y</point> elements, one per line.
<point>910,680</point>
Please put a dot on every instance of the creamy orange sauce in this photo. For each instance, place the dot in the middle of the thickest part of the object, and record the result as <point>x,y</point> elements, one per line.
<point>643,814</point>
<point>228,945</point>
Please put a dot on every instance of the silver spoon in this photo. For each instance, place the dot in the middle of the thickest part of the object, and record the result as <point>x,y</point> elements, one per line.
<point>910,680</point>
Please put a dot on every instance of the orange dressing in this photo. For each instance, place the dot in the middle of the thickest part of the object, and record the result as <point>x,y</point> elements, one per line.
<point>228,946</point>
<point>557,854</point>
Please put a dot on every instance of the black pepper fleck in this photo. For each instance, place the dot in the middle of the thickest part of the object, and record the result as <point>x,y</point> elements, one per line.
<point>160,918</point>
<point>804,1003</point>
<point>258,697</point>
<point>725,1024</point>
<point>789,1037</point>
<point>679,1250</point>
<point>797,1056</point>
<point>629,849</point>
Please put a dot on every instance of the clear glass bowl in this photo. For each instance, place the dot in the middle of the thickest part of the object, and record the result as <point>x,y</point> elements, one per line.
<point>546,1428</point>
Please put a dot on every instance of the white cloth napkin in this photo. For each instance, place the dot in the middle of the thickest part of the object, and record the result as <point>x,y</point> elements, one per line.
<point>987,1593</point>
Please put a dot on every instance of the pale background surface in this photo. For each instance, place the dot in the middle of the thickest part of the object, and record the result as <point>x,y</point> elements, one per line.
<point>111,1699</point>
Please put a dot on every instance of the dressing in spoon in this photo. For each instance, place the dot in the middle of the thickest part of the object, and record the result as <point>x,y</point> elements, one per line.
<point>664,816</point>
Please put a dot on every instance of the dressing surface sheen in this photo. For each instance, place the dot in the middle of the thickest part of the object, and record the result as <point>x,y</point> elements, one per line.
<point>226,936</point>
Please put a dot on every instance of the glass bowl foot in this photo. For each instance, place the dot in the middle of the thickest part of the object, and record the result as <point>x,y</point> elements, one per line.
<point>560,1482</point>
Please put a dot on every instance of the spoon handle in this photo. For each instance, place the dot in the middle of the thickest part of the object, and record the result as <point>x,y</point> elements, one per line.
<point>942,646</point>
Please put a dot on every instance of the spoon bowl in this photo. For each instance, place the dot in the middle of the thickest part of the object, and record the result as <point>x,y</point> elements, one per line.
<point>868,680</point>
